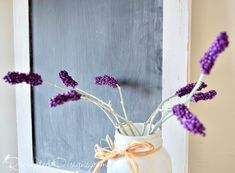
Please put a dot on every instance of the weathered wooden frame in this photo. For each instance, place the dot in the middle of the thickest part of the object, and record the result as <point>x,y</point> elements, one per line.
<point>176,46</point>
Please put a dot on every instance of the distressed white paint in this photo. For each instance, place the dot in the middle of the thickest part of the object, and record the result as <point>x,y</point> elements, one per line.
<point>23,107</point>
<point>176,17</point>
<point>176,46</point>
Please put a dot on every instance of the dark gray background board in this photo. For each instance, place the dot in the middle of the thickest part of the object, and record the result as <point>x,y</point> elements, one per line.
<point>121,38</point>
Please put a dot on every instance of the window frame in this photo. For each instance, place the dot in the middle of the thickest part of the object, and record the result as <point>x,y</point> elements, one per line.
<point>176,51</point>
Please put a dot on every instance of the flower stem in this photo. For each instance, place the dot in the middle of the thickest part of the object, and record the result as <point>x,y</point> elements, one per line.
<point>92,96</point>
<point>101,104</point>
<point>122,130</point>
<point>164,119</point>
<point>198,84</point>
<point>154,113</point>
<point>122,101</point>
<point>55,85</point>
<point>106,113</point>
<point>132,124</point>
<point>105,109</point>
<point>124,110</point>
<point>166,116</point>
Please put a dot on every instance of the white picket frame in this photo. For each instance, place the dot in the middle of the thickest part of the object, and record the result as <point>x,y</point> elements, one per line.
<point>176,46</point>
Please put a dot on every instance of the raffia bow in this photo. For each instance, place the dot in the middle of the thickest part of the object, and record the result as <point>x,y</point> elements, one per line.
<point>133,150</point>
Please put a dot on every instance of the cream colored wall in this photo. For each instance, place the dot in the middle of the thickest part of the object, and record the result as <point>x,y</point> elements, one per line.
<point>8,144</point>
<point>216,152</point>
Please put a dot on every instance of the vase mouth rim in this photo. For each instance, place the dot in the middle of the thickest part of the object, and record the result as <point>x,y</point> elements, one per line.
<point>155,135</point>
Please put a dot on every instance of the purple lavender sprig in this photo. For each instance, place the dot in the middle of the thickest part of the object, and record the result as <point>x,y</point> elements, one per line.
<point>188,119</point>
<point>64,97</point>
<point>204,96</point>
<point>67,80</point>
<point>31,78</point>
<point>188,88</point>
<point>15,77</point>
<point>34,79</point>
<point>217,47</point>
<point>106,80</point>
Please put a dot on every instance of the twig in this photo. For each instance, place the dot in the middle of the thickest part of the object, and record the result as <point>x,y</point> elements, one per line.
<point>104,109</point>
<point>122,101</point>
<point>164,119</point>
<point>92,96</point>
<point>132,124</point>
<point>56,86</point>
<point>122,130</point>
<point>101,104</point>
<point>198,84</point>
<point>154,113</point>
<point>124,110</point>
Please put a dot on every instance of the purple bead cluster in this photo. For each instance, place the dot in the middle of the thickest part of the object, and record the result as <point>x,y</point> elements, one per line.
<point>33,79</point>
<point>217,47</point>
<point>188,120</point>
<point>67,80</point>
<point>106,80</point>
<point>64,97</point>
<point>188,88</point>
<point>204,96</point>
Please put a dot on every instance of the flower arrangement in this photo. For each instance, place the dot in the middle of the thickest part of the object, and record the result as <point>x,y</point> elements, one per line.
<point>186,94</point>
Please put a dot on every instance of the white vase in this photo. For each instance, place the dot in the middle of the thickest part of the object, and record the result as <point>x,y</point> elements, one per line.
<point>158,162</point>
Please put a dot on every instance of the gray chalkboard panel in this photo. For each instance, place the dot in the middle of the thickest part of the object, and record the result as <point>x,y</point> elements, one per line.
<point>122,38</point>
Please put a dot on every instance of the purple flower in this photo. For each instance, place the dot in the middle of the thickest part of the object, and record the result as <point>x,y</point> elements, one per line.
<point>204,96</point>
<point>217,47</point>
<point>106,80</point>
<point>188,120</point>
<point>66,79</point>
<point>188,88</point>
<point>33,79</point>
<point>64,97</point>
<point>195,126</point>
